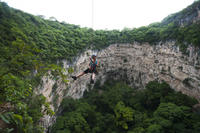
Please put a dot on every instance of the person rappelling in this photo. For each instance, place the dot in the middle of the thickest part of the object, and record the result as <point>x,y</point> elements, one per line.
<point>92,69</point>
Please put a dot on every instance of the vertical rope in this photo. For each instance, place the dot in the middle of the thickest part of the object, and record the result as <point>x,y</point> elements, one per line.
<point>92,14</point>
<point>92,37</point>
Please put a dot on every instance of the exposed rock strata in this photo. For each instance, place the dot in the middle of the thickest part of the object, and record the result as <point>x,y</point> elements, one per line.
<point>137,64</point>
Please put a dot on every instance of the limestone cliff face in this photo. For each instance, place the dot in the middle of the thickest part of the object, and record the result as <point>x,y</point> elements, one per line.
<point>136,64</point>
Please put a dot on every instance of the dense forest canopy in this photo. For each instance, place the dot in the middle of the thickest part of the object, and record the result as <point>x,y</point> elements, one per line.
<point>57,40</point>
<point>117,108</point>
<point>31,45</point>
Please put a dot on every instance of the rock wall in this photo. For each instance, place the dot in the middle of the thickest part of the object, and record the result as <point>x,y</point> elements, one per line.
<point>136,64</point>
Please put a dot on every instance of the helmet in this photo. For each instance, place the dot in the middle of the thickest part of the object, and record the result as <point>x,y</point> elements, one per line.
<point>93,56</point>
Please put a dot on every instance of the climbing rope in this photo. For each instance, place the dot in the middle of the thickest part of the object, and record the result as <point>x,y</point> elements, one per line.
<point>92,21</point>
<point>92,14</point>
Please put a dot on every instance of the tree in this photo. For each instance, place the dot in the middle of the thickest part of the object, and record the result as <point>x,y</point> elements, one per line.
<point>169,111</point>
<point>76,123</point>
<point>123,115</point>
<point>155,129</point>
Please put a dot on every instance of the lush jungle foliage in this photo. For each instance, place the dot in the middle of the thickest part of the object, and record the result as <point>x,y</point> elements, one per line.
<point>52,40</point>
<point>117,108</point>
<point>31,45</point>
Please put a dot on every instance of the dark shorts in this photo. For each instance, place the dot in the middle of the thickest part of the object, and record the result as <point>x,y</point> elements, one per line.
<point>90,71</point>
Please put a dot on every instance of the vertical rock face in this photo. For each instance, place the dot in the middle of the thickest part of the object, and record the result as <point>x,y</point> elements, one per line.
<point>136,64</point>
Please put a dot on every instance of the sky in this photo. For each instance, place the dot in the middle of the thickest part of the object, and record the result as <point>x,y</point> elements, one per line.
<point>102,14</point>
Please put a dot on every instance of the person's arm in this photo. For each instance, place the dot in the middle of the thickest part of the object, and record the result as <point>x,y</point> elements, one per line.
<point>89,64</point>
<point>97,63</point>
<point>91,59</point>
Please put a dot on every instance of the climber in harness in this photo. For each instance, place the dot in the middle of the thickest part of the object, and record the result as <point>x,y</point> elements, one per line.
<point>92,69</point>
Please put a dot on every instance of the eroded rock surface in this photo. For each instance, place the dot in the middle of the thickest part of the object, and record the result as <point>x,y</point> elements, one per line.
<point>136,64</point>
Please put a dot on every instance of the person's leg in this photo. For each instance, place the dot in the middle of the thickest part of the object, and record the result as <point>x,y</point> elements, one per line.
<point>93,76</point>
<point>81,74</point>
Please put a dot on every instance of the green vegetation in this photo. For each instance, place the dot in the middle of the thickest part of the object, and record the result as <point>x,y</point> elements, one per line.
<point>31,45</point>
<point>117,108</point>
<point>186,15</point>
<point>25,115</point>
<point>51,40</point>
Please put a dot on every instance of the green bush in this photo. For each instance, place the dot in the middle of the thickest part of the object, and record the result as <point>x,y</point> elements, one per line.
<point>115,107</point>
